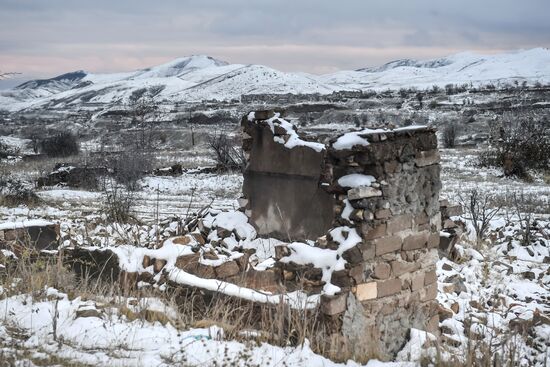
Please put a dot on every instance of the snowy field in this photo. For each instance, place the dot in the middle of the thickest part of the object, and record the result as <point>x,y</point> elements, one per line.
<point>496,295</point>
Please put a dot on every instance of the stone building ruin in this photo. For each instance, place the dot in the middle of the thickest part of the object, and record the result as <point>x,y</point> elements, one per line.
<point>350,223</point>
<point>368,200</point>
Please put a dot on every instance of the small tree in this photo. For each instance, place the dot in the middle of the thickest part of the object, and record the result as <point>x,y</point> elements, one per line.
<point>228,155</point>
<point>480,209</point>
<point>419,98</point>
<point>62,144</point>
<point>524,206</point>
<point>523,143</point>
<point>449,135</point>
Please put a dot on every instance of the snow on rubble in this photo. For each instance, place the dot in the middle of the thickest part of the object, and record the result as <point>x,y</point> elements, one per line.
<point>327,260</point>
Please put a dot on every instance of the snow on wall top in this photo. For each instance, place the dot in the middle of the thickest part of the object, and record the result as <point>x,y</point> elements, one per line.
<point>358,138</point>
<point>25,224</point>
<point>294,139</point>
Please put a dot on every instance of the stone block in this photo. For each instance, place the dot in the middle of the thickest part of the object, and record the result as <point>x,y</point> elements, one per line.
<point>366,291</point>
<point>363,192</point>
<point>382,214</point>
<point>449,223</point>
<point>227,269</point>
<point>421,219</point>
<point>387,244</point>
<point>356,215</point>
<point>334,305</point>
<point>435,223</point>
<point>264,115</point>
<point>399,223</point>
<point>159,264</point>
<point>427,158</point>
<point>401,267</point>
<point>341,279</point>
<point>430,278</point>
<point>369,232</point>
<point>452,211</point>
<point>429,293</point>
<point>368,249</point>
<point>266,280</point>
<point>146,262</point>
<point>417,281</point>
<point>182,240</point>
<point>389,287</point>
<point>353,256</point>
<point>433,240</point>
<point>381,271</point>
<point>432,326</point>
<point>415,241</point>
<point>357,273</point>
<point>392,166</point>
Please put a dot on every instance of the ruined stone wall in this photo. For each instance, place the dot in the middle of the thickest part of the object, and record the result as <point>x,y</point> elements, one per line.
<point>380,184</point>
<point>390,278</point>
<point>281,186</point>
<point>29,236</point>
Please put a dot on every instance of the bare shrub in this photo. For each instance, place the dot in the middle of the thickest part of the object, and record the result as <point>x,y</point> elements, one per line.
<point>524,206</point>
<point>6,150</point>
<point>480,209</point>
<point>228,155</point>
<point>62,144</point>
<point>524,143</point>
<point>118,204</point>
<point>450,132</point>
<point>15,192</point>
<point>129,167</point>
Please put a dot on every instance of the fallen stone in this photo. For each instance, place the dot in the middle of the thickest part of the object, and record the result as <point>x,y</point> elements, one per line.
<point>227,269</point>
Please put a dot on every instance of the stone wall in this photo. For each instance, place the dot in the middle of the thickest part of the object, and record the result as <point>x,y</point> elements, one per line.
<point>29,236</point>
<point>381,184</point>
<point>302,209</point>
<point>390,278</point>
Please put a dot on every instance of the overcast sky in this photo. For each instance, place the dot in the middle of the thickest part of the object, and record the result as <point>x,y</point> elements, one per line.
<point>42,38</point>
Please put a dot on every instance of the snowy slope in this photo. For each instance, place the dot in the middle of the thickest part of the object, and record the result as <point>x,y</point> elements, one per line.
<point>467,67</point>
<point>198,78</point>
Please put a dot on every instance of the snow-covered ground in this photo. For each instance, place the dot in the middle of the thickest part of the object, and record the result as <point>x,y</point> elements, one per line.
<point>495,294</point>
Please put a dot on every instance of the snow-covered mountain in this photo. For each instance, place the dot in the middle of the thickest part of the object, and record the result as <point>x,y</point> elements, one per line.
<point>198,78</point>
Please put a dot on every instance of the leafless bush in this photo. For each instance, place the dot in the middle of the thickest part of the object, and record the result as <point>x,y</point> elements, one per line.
<point>62,144</point>
<point>524,207</point>
<point>129,167</point>
<point>118,204</point>
<point>228,155</point>
<point>524,143</point>
<point>480,209</point>
<point>14,192</point>
<point>450,132</point>
<point>6,150</point>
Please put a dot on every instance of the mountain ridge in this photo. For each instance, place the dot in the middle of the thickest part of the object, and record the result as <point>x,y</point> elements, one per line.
<point>200,77</point>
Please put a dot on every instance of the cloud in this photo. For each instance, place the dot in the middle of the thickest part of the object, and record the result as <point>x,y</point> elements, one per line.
<point>50,37</point>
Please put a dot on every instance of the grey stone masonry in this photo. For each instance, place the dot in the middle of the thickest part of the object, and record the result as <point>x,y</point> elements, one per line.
<point>382,183</point>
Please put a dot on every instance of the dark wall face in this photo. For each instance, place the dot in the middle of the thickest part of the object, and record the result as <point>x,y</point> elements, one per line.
<point>282,188</point>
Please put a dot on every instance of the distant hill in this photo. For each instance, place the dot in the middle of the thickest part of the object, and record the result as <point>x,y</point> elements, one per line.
<point>199,77</point>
